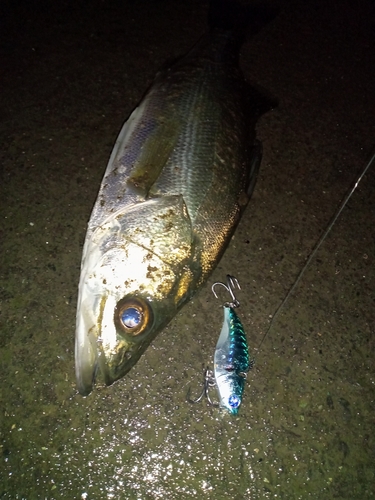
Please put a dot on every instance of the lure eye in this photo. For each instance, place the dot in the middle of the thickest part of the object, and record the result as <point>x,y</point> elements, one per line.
<point>234,401</point>
<point>132,315</point>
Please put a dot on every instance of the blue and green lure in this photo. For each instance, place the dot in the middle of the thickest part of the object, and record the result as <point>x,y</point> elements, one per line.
<point>231,361</point>
<point>231,358</point>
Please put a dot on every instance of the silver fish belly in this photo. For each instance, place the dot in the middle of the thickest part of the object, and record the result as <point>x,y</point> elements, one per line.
<point>180,174</point>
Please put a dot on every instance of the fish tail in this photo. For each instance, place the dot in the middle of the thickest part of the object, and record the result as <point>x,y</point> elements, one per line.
<point>244,20</point>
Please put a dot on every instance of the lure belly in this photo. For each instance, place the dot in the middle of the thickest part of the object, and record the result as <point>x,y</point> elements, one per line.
<point>231,361</point>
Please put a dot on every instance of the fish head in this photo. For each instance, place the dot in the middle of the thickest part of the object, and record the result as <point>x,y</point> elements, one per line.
<point>135,276</point>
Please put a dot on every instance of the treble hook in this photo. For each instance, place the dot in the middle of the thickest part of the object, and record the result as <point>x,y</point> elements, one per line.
<point>208,381</point>
<point>229,287</point>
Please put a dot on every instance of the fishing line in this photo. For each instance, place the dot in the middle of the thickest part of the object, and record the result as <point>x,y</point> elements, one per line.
<point>315,249</point>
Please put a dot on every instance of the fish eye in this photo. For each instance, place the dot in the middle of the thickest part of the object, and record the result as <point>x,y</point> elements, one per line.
<point>234,401</point>
<point>132,315</point>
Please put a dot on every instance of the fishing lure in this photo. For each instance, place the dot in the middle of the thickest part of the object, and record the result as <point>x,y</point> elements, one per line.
<point>231,358</point>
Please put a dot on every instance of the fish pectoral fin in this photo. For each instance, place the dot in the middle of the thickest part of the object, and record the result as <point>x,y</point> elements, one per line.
<point>154,154</point>
<point>145,143</point>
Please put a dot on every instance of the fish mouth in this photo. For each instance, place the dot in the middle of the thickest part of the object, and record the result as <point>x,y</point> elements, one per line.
<point>102,345</point>
<point>114,367</point>
<point>86,363</point>
<point>91,357</point>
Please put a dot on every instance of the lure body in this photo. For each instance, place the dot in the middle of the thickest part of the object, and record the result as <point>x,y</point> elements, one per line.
<point>231,361</point>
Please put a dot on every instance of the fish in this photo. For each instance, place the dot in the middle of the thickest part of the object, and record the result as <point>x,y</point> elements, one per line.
<point>231,362</point>
<point>180,175</point>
